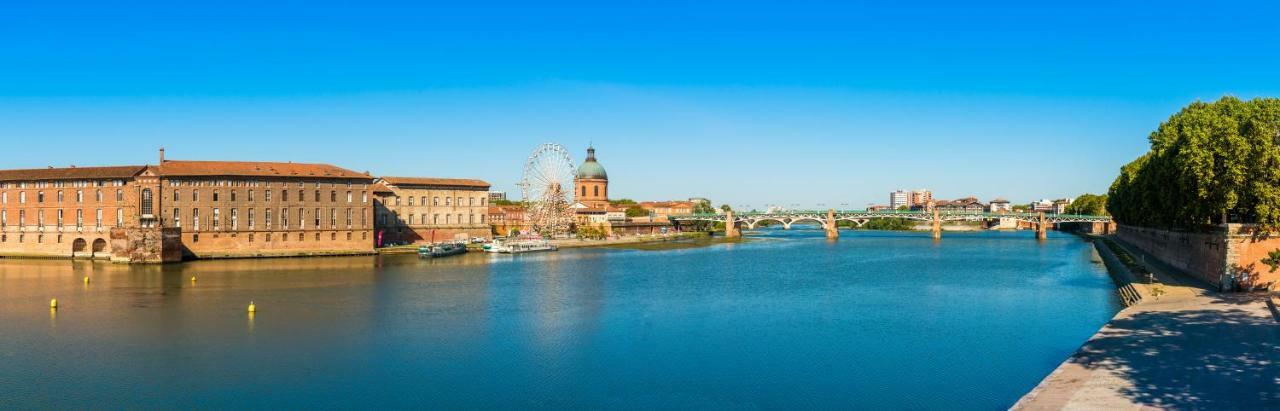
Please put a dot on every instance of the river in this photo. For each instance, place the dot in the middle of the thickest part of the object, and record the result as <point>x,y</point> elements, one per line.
<point>783,320</point>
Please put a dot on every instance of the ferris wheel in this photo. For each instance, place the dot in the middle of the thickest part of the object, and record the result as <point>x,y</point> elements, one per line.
<point>547,189</point>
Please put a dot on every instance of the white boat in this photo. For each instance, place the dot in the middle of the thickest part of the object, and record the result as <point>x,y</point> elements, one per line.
<point>519,246</point>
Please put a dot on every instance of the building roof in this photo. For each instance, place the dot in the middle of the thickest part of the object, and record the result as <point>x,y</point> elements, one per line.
<point>185,168</point>
<point>667,204</point>
<point>591,169</point>
<point>432,181</point>
<point>71,173</point>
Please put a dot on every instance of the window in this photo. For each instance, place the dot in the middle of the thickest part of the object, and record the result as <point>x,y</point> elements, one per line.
<point>333,217</point>
<point>447,218</point>
<point>250,195</point>
<point>22,218</point>
<point>119,217</point>
<point>251,219</point>
<point>302,195</point>
<point>302,219</point>
<point>235,220</point>
<point>195,219</point>
<point>233,196</point>
<point>266,194</point>
<point>267,217</point>
<point>410,201</point>
<point>146,202</point>
<point>79,196</point>
<point>4,218</point>
<point>446,201</point>
<point>59,196</point>
<point>364,196</point>
<point>317,196</point>
<point>251,237</point>
<point>215,195</point>
<point>22,197</point>
<point>333,196</point>
<point>284,195</point>
<point>195,195</point>
<point>317,217</point>
<point>348,218</point>
<point>410,219</point>
<point>4,198</point>
<point>177,218</point>
<point>175,195</point>
<point>348,196</point>
<point>435,219</point>
<point>216,217</point>
<point>97,218</point>
<point>595,190</point>
<point>119,195</point>
<point>584,191</point>
<point>435,201</point>
<point>40,218</point>
<point>364,218</point>
<point>40,197</point>
<point>284,218</point>
<point>397,198</point>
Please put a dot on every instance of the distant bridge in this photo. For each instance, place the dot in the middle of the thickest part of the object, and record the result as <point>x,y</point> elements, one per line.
<point>830,218</point>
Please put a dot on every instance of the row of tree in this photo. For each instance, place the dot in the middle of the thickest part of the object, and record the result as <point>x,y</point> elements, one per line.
<point>1210,163</point>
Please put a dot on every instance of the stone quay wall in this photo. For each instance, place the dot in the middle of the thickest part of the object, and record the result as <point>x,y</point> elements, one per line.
<point>1208,256</point>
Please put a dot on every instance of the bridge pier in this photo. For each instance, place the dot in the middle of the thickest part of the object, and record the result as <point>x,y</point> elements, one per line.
<point>1041,229</point>
<point>832,231</point>
<point>730,227</point>
<point>937,225</point>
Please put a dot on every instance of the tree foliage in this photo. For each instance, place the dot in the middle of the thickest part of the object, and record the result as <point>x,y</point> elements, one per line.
<point>637,211</point>
<point>1209,163</point>
<point>1088,204</point>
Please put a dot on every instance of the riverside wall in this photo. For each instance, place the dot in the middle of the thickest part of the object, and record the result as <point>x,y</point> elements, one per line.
<point>1208,256</point>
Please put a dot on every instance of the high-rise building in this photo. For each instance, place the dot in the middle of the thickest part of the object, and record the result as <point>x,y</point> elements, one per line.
<point>921,197</point>
<point>900,198</point>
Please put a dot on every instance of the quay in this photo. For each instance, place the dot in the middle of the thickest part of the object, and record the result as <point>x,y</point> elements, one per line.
<point>1179,345</point>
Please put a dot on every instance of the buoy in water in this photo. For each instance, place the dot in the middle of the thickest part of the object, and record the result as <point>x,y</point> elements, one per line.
<point>193,278</point>
<point>86,279</point>
<point>252,308</point>
<point>53,303</point>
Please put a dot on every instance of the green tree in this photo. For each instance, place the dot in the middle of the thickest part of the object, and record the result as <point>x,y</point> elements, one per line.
<point>637,211</point>
<point>622,202</point>
<point>703,207</point>
<point>1088,204</point>
<point>725,208</point>
<point>1209,163</point>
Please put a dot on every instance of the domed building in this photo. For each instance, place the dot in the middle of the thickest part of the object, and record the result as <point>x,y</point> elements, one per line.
<point>591,184</point>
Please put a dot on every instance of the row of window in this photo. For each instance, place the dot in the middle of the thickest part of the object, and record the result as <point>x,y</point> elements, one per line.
<point>435,219</point>
<point>269,218</point>
<point>62,183</point>
<point>59,218</point>
<point>267,194</point>
<point>59,196</point>
<point>284,237</point>
<point>173,182</point>
<point>435,201</point>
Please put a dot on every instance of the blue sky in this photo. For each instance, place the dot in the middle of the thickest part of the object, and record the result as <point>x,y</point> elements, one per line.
<point>749,103</point>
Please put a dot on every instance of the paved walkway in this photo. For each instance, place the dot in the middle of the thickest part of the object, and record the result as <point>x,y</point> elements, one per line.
<point>1192,348</point>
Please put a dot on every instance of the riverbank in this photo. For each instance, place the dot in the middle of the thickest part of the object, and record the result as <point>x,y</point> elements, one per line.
<point>1180,345</point>
<point>629,240</point>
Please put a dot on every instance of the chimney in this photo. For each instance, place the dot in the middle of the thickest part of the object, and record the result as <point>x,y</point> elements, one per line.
<point>161,154</point>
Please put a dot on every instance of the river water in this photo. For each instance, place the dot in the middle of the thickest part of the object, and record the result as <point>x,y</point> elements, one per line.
<point>784,320</point>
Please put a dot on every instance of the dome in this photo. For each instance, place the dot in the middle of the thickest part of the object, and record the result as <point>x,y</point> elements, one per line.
<point>591,169</point>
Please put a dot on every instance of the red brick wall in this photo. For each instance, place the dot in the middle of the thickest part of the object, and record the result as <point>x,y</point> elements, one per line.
<point>1202,255</point>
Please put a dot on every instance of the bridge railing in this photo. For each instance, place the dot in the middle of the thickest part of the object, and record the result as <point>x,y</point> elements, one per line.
<point>894,213</point>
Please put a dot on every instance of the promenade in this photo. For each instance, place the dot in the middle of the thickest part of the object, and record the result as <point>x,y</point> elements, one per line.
<point>1188,348</point>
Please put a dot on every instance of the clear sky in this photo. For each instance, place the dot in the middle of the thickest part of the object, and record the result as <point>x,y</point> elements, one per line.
<point>747,103</point>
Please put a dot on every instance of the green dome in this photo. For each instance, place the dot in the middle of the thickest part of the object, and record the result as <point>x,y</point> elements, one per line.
<point>591,169</point>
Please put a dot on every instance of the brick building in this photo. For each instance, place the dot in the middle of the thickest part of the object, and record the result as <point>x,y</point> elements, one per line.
<point>185,209</point>
<point>412,210</point>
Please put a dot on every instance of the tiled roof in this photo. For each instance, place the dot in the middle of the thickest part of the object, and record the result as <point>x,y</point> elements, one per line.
<point>71,173</point>
<point>183,168</point>
<point>431,181</point>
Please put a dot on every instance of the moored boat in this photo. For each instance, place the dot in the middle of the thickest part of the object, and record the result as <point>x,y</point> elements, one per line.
<point>519,246</point>
<point>441,250</point>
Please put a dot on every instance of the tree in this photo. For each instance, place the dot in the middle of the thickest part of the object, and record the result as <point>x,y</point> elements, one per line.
<point>703,207</point>
<point>726,208</point>
<point>1209,163</point>
<point>622,202</point>
<point>637,211</point>
<point>1088,204</point>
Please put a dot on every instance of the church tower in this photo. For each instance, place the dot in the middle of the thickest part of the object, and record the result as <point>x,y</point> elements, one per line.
<point>591,185</point>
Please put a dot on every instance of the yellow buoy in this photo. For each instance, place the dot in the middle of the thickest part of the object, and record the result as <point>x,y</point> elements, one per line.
<point>252,308</point>
<point>193,278</point>
<point>53,303</point>
<point>86,279</point>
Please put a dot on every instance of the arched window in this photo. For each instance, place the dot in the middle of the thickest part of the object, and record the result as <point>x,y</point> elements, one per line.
<point>146,201</point>
<point>584,191</point>
<point>595,190</point>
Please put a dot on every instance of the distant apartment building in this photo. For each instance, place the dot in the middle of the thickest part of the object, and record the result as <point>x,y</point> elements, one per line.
<point>899,198</point>
<point>660,210</point>
<point>1043,205</point>
<point>497,196</point>
<point>1000,205</point>
<point>1060,205</point>
<point>412,210</point>
<point>968,204</point>
<point>921,197</point>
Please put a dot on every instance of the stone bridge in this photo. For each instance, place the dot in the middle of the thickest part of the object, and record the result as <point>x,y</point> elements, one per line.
<point>830,218</point>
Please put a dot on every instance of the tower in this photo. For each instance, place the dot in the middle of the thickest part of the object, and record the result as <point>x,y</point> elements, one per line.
<point>591,184</point>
